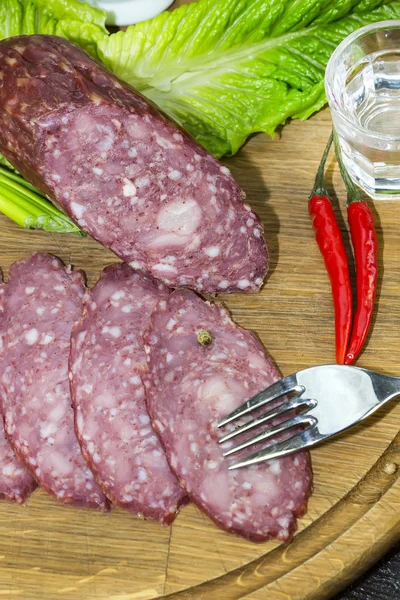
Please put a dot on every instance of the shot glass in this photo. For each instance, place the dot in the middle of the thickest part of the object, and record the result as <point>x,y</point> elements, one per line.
<point>362,83</point>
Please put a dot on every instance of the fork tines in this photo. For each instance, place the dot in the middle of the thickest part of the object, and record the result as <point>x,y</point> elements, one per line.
<point>297,442</point>
<point>284,386</point>
<point>287,385</point>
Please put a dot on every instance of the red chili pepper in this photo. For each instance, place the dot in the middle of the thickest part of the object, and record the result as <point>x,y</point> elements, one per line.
<point>365,246</point>
<point>330,243</point>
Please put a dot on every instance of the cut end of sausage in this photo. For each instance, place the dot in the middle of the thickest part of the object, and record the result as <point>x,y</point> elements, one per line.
<point>124,172</point>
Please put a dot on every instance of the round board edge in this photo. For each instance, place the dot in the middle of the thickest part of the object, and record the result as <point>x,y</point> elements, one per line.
<point>321,541</point>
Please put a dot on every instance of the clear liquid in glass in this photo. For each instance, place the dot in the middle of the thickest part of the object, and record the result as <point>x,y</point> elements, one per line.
<point>363,88</point>
<point>372,99</point>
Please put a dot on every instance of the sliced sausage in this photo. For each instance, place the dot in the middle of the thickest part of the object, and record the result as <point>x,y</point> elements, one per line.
<point>16,485</point>
<point>106,369</point>
<point>42,301</point>
<point>203,366</point>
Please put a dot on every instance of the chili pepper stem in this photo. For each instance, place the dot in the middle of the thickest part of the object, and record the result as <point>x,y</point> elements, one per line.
<point>354,194</point>
<point>319,188</point>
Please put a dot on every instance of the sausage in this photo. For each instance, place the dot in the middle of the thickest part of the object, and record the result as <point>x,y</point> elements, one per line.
<point>106,368</point>
<point>203,366</point>
<point>42,301</point>
<point>123,171</point>
<point>16,485</point>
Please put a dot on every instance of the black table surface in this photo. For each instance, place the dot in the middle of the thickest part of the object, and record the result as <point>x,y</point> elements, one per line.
<point>382,582</point>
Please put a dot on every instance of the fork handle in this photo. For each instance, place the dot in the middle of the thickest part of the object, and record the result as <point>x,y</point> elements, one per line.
<point>386,387</point>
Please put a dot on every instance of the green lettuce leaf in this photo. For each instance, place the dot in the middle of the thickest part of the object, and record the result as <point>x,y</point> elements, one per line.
<point>225,69</point>
<point>73,10</point>
<point>85,35</point>
<point>78,22</point>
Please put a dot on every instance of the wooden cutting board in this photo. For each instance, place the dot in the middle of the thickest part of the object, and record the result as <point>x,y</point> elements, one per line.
<point>49,552</point>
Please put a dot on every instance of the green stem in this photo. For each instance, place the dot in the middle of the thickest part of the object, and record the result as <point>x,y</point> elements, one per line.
<point>28,195</point>
<point>20,202</point>
<point>353,193</point>
<point>319,188</point>
<point>10,175</point>
<point>18,214</point>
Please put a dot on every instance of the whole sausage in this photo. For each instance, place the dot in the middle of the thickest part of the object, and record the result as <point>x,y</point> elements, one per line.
<point>123,171</point>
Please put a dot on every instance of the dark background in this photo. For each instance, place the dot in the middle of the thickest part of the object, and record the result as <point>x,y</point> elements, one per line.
<point>382,582</point>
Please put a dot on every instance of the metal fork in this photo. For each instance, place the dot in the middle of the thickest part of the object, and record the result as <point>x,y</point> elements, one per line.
<point>332,398</point>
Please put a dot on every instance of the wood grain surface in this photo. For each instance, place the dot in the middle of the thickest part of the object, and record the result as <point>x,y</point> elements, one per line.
<point>49,552</point>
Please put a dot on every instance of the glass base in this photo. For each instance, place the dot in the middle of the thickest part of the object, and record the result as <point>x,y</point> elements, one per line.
<point>129,12</point>
<point>378,188</point>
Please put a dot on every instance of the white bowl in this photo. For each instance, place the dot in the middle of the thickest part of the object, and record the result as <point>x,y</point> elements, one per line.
<point>128,12</point>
